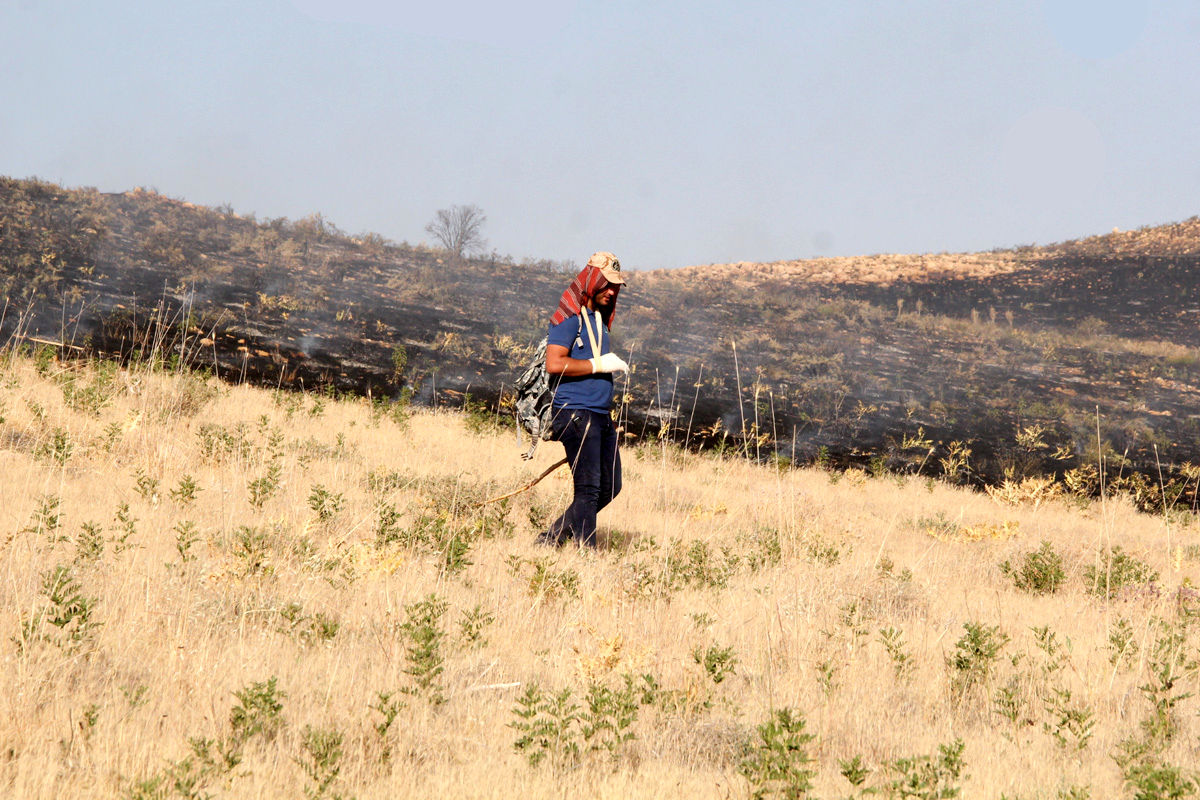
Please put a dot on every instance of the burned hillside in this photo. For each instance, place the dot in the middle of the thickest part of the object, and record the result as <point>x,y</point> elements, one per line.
<point>982,366</point>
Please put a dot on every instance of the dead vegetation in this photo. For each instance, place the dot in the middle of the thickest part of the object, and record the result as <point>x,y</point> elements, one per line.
<point>839,360</point>
<point>216,590</point>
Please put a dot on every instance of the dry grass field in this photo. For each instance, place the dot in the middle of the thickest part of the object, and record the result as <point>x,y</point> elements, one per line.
<point>220,591</point>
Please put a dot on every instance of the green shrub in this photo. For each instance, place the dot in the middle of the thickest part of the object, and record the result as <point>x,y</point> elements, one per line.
<point>975,655</point>
<point>1116,571</point>
<point>423,631</point>
<point>257,712</point>
<point>325,503</point>
<point>322,759</point>
<point>1160,781</point>
<point>892,640</point>
<point>473,623</point>
<point>482,419</point>
<point>718,662</point>
<point>185,492</point>
<point>1039,572</point>
<point>65,619</point>
<point>930,777</point>
<point>261,489</point>
<point>185,538</point>
<point>546,726</point>
<point>1121,642</point>
<point>776,762</point>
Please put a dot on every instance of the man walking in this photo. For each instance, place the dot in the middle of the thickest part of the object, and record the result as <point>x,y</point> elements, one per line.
<point>580,362</point>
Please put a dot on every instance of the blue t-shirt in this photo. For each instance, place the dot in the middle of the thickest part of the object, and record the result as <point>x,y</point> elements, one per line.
<point>592,392</point>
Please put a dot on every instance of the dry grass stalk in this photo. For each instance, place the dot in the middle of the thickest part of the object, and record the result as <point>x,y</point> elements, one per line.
<point>401,629</point>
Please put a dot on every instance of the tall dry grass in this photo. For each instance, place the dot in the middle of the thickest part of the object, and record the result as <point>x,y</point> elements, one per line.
<point>786,578</point>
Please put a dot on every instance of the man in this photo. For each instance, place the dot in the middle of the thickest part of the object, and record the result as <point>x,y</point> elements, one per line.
<point>580,362</point>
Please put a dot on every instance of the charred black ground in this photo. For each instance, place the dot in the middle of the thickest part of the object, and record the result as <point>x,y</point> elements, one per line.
<point>933,364</point>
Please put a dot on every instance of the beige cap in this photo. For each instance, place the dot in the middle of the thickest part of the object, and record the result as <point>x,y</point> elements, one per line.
<point>608,265</point>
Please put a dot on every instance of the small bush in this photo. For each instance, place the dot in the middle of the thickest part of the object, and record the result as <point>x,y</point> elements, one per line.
<point>257,712</point>
<point>718,662</point>
<point>325,503</point>
<point>928,777</point>
<point>1039,572</point>
<point>423,631</point>
<point>975,656</point>
<point>776,761</point>
<point>261,489</point>
<point>1115,572</point>
<point>472,625</point>
<point>186,491</point>
<point>892,640</point>
<point>322,760</point>
<point>65,619</point>
<point>545,724</point>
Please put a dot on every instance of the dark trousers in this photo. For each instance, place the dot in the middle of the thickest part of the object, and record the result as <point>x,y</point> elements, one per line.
<point>595,461</point>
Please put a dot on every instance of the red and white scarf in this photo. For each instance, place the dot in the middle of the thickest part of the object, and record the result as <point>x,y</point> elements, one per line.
<point>587,283</point>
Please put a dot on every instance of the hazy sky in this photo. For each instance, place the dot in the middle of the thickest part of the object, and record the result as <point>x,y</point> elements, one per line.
<point>669,133</point>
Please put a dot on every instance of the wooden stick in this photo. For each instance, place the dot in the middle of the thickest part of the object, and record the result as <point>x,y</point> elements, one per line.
<point>491,686</point>
<point>524,488</point>
<point>49,342</point>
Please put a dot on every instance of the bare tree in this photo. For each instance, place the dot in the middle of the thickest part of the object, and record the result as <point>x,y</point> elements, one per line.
<point>458,229</point>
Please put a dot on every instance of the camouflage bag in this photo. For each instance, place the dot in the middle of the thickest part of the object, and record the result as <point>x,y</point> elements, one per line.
<point>534,404</point>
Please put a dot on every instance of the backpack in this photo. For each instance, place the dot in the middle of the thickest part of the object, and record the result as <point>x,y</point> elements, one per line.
<point>534,403</point>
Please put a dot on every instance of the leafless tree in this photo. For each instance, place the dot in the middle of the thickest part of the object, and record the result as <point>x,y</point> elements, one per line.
<point>458,229</point>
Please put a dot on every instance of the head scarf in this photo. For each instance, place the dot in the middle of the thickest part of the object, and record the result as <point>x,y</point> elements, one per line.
<point>587,283</point>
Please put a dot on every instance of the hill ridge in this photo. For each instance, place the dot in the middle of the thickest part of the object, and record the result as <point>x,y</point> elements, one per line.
<point>1164,240</point>
<point>959,348</point>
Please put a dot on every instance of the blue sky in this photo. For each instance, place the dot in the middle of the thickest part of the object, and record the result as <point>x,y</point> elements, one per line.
<point>669,133</point>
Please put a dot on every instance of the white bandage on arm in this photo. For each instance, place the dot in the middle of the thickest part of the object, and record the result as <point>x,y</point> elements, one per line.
<point>609,362</point>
